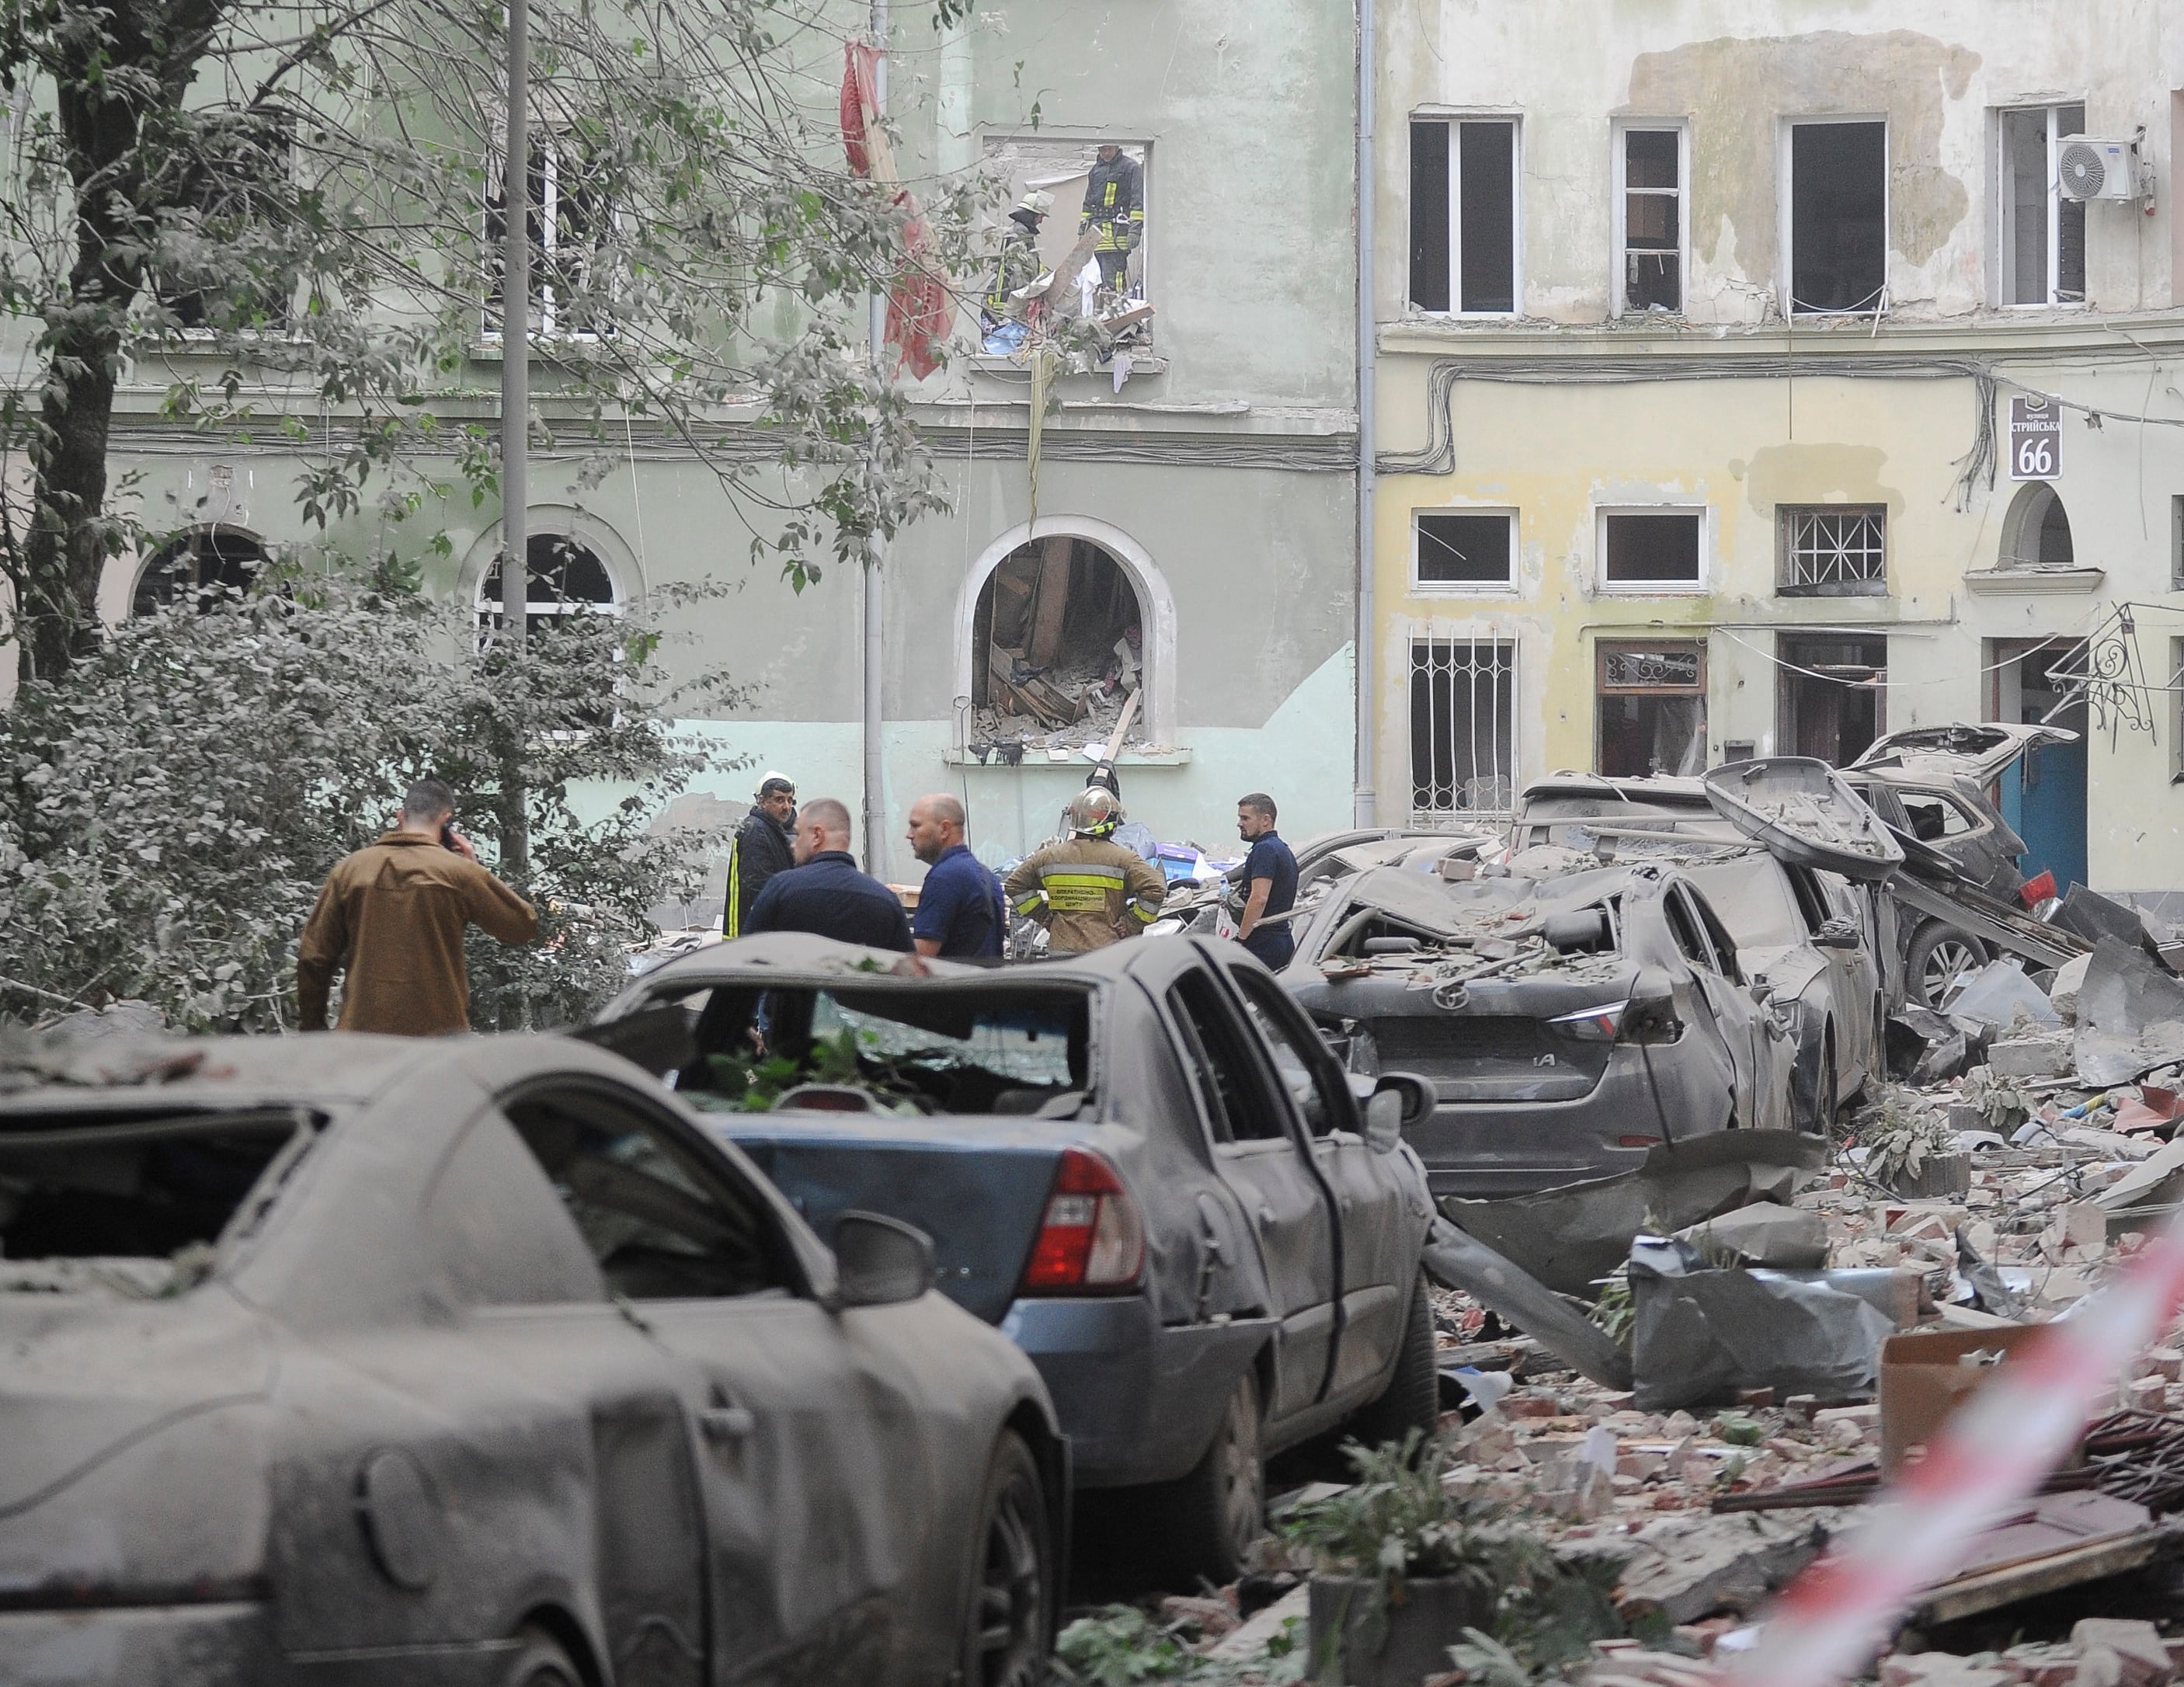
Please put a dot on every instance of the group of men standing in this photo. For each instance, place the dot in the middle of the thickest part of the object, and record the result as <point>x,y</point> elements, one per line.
<point>791,869</point>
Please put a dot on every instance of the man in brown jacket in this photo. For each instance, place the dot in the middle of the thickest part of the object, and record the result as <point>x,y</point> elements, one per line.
<point>392,915</point>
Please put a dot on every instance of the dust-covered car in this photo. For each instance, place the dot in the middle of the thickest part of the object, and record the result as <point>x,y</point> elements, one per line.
<point>1141,1163</point>
<point>1932,784</point>
<point>350,1358</point>
<point>1571,1016</point>
<point>1813,937</point>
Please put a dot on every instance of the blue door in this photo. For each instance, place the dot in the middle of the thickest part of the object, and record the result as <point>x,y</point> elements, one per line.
<point>2043,799</point>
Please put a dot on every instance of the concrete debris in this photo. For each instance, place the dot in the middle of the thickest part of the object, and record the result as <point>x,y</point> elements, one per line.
<point>1682,1569</point>
<point>2067,986</point>
<point>2130,1015</point>
<point>2049,1056</point>
<point>1789,1236</point>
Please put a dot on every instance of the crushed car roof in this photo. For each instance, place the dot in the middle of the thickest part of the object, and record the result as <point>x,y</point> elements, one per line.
<point>40,1070</point>
<point>1982,750</point>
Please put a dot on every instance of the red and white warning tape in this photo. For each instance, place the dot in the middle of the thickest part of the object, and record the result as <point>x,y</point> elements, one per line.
<point>1992,1455</point>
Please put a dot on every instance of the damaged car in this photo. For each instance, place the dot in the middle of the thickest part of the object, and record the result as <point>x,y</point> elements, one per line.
<point>371,1358</point>
<point>1142,1164</point>
<point>1932,784</point>
<point>1572,1017</point>
<point>1811,936</point>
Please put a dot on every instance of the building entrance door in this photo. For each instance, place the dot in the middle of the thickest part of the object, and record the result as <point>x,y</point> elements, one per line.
<point>2043,796</point>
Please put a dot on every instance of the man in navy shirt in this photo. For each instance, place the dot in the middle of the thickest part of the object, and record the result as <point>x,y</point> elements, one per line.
<point>959,908</point>
<point>824,893</point>
<point>1270,883</point>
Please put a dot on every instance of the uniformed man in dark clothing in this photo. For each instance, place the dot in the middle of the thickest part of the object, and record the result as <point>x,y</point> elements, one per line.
<point>824,893</point>
<point>1115,204</point>
<point>1270,883</point>
<point>761,850</point>
<point>1018,268</point>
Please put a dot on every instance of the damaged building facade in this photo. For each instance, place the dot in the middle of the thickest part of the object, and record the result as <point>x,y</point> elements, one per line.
<point>1193,538</point>
<point>1758,381</point>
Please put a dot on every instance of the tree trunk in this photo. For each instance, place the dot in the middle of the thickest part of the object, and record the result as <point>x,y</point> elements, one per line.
<point>67,545</point>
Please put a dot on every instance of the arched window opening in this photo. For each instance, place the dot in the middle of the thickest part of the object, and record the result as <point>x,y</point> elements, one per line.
<point>2036,533</point>
<point>211,562</point>
<point>1058,646</point>
<point>564,578</point>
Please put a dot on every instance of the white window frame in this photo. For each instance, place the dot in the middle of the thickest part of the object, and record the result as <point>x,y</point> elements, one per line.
<point>2005,210</point>
<point>1509,652</point>
<point>1463,588</point>
<point>1785,187</point>
<point>486,610</point>
<point>1620,169</point>
<point>552,142</point>
<point>1654,588</point>
<point>1452,120</point>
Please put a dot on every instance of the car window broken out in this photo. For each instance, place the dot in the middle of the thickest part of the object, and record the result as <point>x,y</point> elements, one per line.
<point>134,1207</point>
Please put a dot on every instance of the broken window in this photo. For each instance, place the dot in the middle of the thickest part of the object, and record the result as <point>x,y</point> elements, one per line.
<point>1075,211</point>
<point>1652,549</point>
<point>565,578</point>
<point>1463,729</point>
<point>1464,214</point>
<point>134,1207</point>
<point>1650,210</point>
<point>1058,646</point>
<point>1838,217</point>
<point>569,225</point>
<point>1836,550</point>
<point>1829,700</point>
<point>216,267</point>
<point>213,562</point>
<point>1463,549</point>
<point>1651,705</point>
<point>2036,531</point>
<point>2040,236</point>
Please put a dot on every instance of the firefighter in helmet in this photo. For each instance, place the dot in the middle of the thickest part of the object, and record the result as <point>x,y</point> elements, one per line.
<point>1115,205</point>
<point>1087,889</point>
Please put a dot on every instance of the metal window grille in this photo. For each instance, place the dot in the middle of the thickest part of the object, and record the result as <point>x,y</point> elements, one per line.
<point>1463,730</point>
<point>1836,551</point>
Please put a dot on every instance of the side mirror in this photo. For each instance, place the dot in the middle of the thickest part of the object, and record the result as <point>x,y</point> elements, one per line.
<point>1836,934</point>
<point>1399,1100</point>
<point>880,1262</point>
<point>1762,991</point>
<point>1650,1015</point>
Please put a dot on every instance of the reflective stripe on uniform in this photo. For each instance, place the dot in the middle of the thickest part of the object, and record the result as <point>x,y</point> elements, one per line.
<point>1147,915</point>
<point>1075,888</point>
<point>731,911</point>
<point>1025,905</point>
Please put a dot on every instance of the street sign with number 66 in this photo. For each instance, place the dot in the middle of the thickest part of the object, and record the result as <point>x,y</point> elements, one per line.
<point>2036,440</point>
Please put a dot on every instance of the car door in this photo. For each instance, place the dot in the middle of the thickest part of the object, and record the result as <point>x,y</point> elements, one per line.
<point>1378,1266</point>
<point>1259,1151</point>
<point>1855,983</point>
<point>812,1470</point>
<point>1757,1037</point>
<point>1704,1003</point>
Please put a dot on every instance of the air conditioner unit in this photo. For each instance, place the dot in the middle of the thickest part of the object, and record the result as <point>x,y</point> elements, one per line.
<point>2090,168</point>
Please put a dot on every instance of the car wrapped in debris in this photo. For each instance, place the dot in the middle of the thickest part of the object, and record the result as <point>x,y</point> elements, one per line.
<point>1932,784</point>
<point>1814,938</point>
<point>1142,1164</point>
<point>354,1358</point>
<point>1571,1016</point>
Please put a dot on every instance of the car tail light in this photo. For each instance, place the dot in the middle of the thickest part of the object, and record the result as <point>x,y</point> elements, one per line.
<point>1091,1236</point>
<point>1617,1022</point>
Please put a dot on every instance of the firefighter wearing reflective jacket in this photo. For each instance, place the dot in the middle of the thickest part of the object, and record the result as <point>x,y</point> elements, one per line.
<point>1115,204</point>
<point>1087,889</point>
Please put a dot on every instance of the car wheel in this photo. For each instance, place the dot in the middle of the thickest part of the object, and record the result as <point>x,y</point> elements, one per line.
<point>1208,1518</point>
<point>1412,1400</point>
<point>541,1660</point>
<point>1941,955</point>
<point>1009,1617</point>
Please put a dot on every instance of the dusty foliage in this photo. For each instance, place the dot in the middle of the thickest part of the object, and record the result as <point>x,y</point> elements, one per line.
<point>169,808</point>
<point>1906,1136</point>
<point>1398,1523</point>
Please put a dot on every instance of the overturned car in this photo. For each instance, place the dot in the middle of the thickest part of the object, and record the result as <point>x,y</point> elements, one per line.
<point>1571,1016</point>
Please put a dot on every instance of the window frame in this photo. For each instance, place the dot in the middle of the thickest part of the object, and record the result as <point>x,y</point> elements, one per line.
<point>1618,255</point>
<point>2004,210</point>
<point>551,142</point>
<point>1786,199</point>
<point>1505,587</point>
<point>1508,652</point>
<point>1696,587</point>
<point>1453,120</point>
<point>1787,515</point>
<point>487,611</point>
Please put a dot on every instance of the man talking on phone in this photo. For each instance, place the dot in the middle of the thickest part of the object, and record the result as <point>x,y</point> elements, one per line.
<point>391,917</point>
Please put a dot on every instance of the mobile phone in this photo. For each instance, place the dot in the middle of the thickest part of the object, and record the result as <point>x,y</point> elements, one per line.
<point>448,836</point>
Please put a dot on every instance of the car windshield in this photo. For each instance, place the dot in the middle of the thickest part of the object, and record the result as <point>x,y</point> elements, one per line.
<point>949,1049</point>
<point>1753,899</point>
<point>134,1207</point>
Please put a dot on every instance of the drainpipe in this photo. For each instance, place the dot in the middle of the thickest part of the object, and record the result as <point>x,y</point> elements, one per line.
<point>1365,800</point>
<point>875,803</point>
